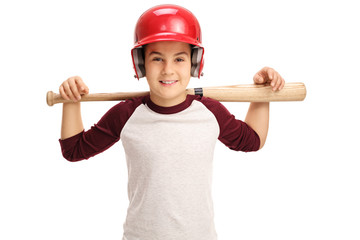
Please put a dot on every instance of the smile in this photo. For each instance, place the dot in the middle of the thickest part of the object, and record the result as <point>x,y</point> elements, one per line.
<point>168,82</point>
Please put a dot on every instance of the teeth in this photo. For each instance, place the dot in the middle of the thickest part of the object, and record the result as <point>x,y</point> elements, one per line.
<point>168,82</point>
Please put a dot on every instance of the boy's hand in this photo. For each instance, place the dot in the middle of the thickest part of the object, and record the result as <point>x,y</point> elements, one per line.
<point>73,88</point>
<point>268,75</point>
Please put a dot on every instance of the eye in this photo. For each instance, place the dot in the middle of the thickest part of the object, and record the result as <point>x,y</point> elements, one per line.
<point>157,59</point>
<point>179,60</point>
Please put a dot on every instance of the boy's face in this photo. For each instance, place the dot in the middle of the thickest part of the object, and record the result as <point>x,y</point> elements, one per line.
<point>167,66</point>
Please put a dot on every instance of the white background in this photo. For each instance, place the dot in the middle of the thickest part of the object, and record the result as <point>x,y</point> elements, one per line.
<point>305,182</point>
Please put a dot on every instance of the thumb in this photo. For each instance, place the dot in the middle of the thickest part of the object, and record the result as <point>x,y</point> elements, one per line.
<point>84,90</point>
<point>258,79</point>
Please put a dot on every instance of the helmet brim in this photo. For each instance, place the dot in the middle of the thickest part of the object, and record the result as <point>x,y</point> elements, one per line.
<point>161,37</point>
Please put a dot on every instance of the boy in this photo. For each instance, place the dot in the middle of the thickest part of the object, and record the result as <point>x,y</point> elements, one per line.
<point>168,136</point>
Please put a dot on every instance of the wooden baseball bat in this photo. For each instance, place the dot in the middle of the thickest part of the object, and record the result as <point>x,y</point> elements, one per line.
<point>236,93</point>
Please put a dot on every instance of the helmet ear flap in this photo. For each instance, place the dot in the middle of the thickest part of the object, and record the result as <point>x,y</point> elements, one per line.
<point>139,62</point>
<point>197,61</point>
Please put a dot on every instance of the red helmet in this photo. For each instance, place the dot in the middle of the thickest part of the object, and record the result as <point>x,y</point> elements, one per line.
<point>167,23</point>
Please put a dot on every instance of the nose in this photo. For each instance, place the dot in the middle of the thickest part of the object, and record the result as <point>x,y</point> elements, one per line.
<point>167,68</point>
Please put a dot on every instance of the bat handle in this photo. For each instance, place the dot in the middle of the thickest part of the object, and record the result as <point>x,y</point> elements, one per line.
<point>54,98</point>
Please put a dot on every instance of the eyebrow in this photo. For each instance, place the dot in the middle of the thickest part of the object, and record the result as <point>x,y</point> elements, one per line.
<point>176,54</point>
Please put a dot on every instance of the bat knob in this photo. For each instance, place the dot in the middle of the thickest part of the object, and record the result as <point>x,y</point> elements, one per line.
<point>50,98</point>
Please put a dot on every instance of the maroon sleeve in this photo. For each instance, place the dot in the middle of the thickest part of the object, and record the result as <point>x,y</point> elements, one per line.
<point>234,133</point>
<point>102,135</point>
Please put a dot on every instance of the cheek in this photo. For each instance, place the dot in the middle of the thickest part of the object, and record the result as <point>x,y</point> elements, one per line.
<point>149,69</point>
<point>183,68</point>
<point>187,69</point>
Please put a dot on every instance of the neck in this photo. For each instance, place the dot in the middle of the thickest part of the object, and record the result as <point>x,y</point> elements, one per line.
<point>165,102</point>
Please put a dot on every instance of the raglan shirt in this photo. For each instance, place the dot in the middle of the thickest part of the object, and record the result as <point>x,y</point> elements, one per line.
<point>169,154</point>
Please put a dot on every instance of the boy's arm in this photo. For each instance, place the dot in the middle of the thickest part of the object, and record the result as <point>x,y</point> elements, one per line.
<point>72,124</point>
<point>77,144</point>
<point>258,114</point>
<point>258,119</point>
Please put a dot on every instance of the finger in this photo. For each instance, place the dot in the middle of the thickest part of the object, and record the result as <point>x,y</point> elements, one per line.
<point>272,81</point>
<point>74,89</point>
<point>68,90</point>
<point>282,84</point>
<point>273,84</point>
<point>81,85</point>
<point>85,89</point>
<point>270,74</point>
<point>278,82</point>
<point>62,93</point>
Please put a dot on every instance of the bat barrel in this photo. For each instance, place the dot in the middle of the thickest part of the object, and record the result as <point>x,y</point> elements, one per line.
<point>256,93</point>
